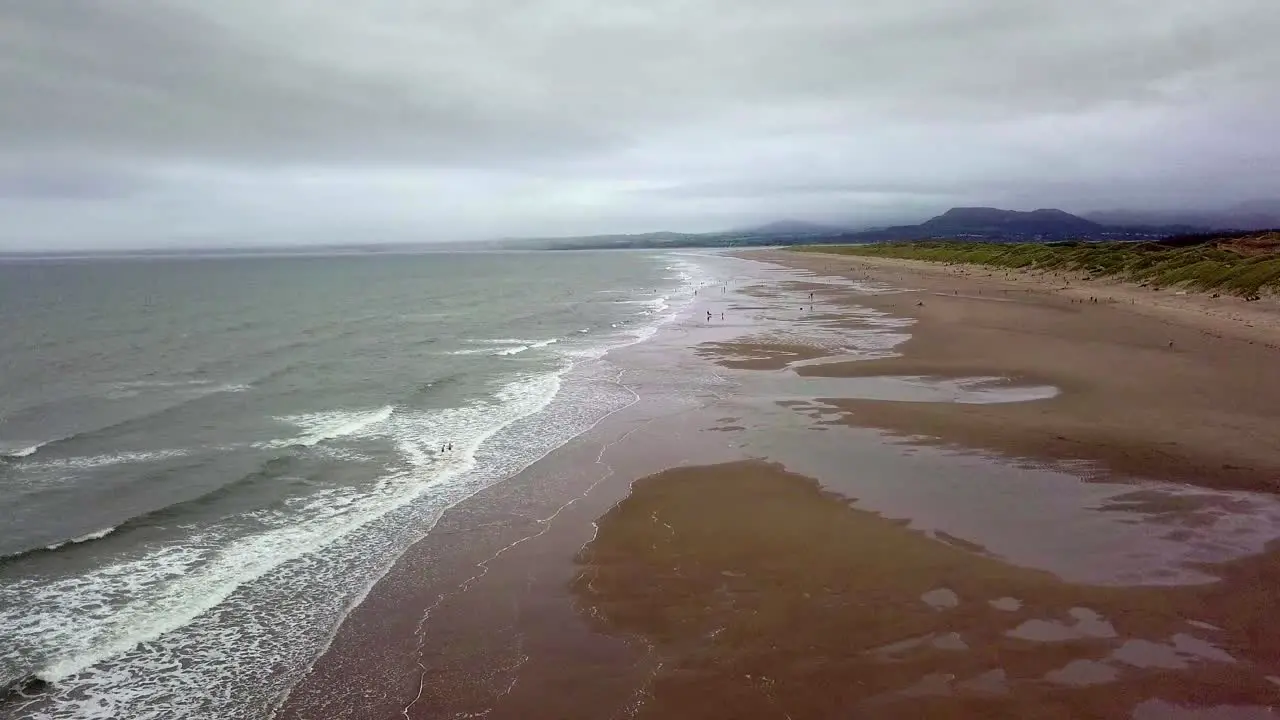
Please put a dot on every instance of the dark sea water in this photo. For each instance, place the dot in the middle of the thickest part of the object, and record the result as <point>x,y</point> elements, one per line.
<point>205,462</point>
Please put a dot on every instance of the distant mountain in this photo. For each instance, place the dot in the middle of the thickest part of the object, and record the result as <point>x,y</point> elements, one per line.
<point>1010,226</point>
<point>968,220</point>
<point>980,223</point>
<point>1259,214</point>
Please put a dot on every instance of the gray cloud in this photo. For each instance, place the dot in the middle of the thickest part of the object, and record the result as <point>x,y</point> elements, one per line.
<point>49,182</point>
<point>149,122</point>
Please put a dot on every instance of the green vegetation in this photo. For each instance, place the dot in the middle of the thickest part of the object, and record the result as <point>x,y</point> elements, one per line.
<point>1245,266</point>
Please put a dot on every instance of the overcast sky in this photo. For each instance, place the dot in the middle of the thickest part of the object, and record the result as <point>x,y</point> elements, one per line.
<point>229,122</point>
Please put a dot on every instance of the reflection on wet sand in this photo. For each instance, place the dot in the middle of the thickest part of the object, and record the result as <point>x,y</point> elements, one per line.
<point>765,596</point>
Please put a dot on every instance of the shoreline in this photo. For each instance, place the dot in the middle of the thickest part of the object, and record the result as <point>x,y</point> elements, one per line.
<point>498,612</point>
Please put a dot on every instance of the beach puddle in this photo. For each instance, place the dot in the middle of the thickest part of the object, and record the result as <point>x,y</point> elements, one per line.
<point>1007,604</point>
<point>784,383</point>
<point>940,599</point>
<point>764,595</point>
<point>992,682</point>
<point>789,387</point>
<point>1073,521</point>
<point>913,389</point>
<point>799,320</point>
<point>1083,673</point>
<point>1085,624</point>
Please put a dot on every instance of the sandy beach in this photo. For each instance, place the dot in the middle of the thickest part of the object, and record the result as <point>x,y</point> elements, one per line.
<point>870,490</point>
<point>1153,384</point>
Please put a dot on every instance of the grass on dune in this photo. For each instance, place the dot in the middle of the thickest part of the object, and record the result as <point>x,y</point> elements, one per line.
<point>1240,266</point>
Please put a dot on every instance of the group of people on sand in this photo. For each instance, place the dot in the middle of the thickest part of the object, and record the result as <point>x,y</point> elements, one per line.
<point>723,289</point>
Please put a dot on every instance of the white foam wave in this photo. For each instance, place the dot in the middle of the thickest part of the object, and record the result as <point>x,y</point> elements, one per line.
<point>162,384</point>
<point>21,450</point>
<point>108,611</point>
<point>96,535</point>
<point>664,309</point>
<point>88,462</point>
<point>517,346</point>
<point>196,388</point>
<point>134,384</point>
<point>332,425</point>
<point>529,346</point>
<point>657,305</point>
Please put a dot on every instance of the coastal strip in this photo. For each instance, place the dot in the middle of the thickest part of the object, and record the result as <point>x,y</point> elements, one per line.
<point>747,540</point>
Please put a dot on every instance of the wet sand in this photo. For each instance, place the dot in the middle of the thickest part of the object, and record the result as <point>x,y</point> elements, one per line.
<point>785,602</point>
<point>1185,396</point>
<point>742,542</point>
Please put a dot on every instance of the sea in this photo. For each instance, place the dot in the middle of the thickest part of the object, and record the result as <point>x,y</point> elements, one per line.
<point>206,462</point>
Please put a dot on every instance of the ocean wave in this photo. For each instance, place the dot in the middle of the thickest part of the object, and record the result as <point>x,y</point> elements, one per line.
<point>513,350</point>
<point>87,537</point>
<point>159,384</point>
<point>178,511</point>
<point>432,386</point>
<point>661,311</point>
<point>279,372</point>
<point>153,613</point>
<point>54,547</point>
<point>188,393</point>
<point>200,388</point>
<point>142,598</point>
<point>517,346</point>
<point>269,471</point>
<point>89,462</point>
<point>331,425</point>
<point>657,305</point>
<point>530,346</point>
<point>19,451</point>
